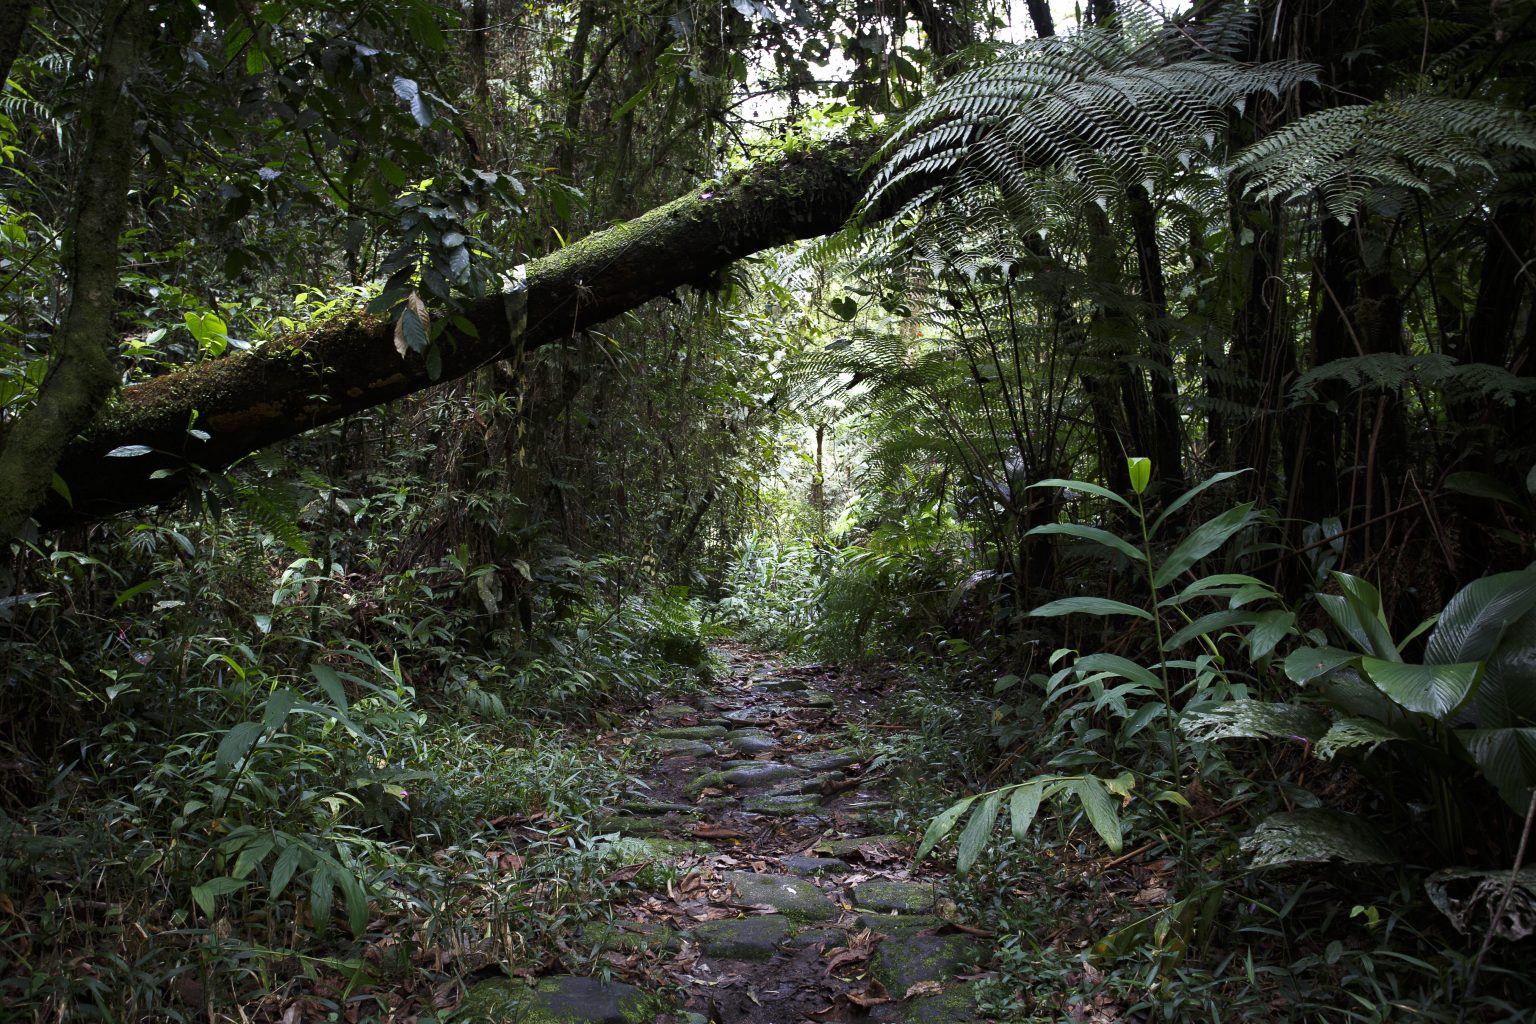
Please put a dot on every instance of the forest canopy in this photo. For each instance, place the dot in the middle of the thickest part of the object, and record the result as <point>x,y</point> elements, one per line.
<point>488,485</point>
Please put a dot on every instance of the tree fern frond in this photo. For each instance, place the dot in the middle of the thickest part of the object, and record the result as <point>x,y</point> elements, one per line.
<point>1406,144</point>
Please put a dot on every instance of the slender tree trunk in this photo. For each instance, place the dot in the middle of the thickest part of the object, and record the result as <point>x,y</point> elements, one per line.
<point>14,17</point>
<point>1040,14</point>
<point>82,371</point>
<point>1167,434</point>
<point>575,91</point>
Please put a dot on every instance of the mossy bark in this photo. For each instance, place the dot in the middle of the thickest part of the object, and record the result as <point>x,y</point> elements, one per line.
<point>81,372</point>
<point>249,400</point>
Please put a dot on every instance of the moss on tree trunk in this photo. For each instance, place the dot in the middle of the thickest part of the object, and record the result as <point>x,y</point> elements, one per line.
<point>249,400</point>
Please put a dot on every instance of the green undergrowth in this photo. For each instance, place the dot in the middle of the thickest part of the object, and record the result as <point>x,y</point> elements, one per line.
<point>250,777</point>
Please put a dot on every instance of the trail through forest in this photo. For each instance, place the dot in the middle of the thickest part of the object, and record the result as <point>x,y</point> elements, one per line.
<point>776,900</point>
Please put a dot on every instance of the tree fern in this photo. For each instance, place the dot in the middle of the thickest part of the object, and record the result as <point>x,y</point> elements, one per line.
<point>1405,144</point>
<point>1101,110</point>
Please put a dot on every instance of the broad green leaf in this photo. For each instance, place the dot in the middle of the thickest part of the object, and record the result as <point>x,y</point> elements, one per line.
<point>1092,533</point>
<point>941,826</point>
<point>1507,694</point>
<point>1023,806</point>
<point>1316,836</point>
<point>1089,606</point>
<point>1507,758</point>
<point>1120,666</point>
<point>1357,610</point>
<point>1100,809</point>
<point>1221,584</point>
<point>282,871</point>
<point>1140,469</point>
<point>252,856</point>
<point>1434,690</point>
<point>1271,628</point>
<point>1084,486</point>
<point>1192,493</point>
<point>205,894</point>
<point>322,888</point>
<point>129,451</point>
<point>1204,539</point>
<point>331,683</point>
<point>357,903</point>
<point>977,832</point>
<point>1212,622</point>
<point>1308,663</point>
<point>1474,620</point>
<point>277,707</point>
<point>236,744</point>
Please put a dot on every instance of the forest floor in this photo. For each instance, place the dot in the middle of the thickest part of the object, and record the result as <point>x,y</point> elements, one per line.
<point>772,899</point>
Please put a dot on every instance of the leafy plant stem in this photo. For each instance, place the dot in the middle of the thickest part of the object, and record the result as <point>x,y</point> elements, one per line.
<point>1162,660</point>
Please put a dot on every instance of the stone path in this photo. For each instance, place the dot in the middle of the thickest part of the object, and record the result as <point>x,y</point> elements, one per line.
<point>774,901</point>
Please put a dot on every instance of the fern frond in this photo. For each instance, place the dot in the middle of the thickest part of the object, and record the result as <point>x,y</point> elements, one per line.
<point>1416,143</point>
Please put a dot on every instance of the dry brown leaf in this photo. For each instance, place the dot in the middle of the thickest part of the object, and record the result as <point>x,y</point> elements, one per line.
<point>707,831</point>
<point>923,988</point>
<point>628,872</point>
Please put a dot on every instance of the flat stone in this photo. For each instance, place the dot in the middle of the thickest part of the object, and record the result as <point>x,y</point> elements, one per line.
<point>690,732</point>
<point>884,895</point>
<point>781,685</point>
<point>812,865</point>
<point>746,716</point>
<point>955,1005</point>
<point>793,897</point>
<point>746,938</point>
<point>684,748</point>
<point>751,741</point>
<point>559,1000</point>
<point>824,760</point>
<point>851,847</point>
<point>782,805</point>
<point>629,825</point>
<point>902,961</point>
<point>827,938</point>
<point>818,699</point>
<point>633,937</point>
<point>900,925</point>
<point>657,807</point>
<point>670,711</point>
<point>760,773</point>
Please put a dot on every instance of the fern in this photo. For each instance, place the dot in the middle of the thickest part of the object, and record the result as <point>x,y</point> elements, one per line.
<point>1100,110</point>
<point>1387,371</point>
<point>1409,144</point>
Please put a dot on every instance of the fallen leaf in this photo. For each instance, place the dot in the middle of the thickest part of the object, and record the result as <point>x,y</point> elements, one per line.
<point>628,872</point>
<point>923,988</point>
<point>717,832</point>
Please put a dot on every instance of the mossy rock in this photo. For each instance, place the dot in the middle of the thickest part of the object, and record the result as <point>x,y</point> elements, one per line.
<point>690,732</point>
<point>812,865</point>
<point>671,711</point>
<point>955,1005</point>
<point>559,1000</point>
<point>782,805</point>
<point>827,938</point>
<point>680,748</point>
<point>850,847</point>
<point>633,937</point>
<point>818,699</point>
<point>900,925</point>
<point>886,895</point>
<point>901,961</point>
<point>745,938</point>
<point>825,760</point>
<point>662,807</point>
<point>793,897</point>
<point>751,741</point>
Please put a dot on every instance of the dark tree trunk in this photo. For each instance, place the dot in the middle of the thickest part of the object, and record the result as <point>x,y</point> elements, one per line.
<point>81,372</point>
<point>575,90</point>
<point>14,16</point>
<point>1040,14</point>
<point>1167,435</point>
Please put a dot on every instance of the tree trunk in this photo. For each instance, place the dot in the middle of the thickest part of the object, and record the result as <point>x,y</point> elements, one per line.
<point>14,15</point>
<point>252,399</point>
<point>82,371</point>
<point>1167,435</point>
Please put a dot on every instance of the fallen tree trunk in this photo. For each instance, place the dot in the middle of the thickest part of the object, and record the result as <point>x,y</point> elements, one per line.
<point>213,413</point>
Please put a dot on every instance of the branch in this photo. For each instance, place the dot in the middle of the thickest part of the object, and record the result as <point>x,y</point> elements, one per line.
<point>253,399</point>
